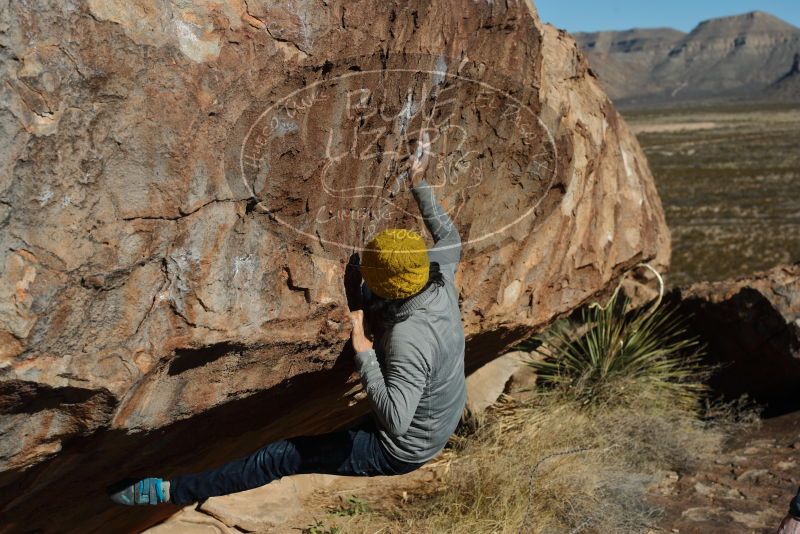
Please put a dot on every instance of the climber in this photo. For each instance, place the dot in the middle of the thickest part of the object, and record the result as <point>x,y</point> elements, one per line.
<point>791,523</point>
<point>409,352</point>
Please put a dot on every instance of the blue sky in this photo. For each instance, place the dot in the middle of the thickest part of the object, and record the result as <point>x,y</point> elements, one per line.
<point>593,15</point>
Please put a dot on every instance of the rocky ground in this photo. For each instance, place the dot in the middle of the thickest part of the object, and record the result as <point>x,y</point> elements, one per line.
<point>746,489</point>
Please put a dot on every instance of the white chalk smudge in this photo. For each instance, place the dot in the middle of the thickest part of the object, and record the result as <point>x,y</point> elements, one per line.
<point>634,187</point>
<point>185,261</point>
<point>244,264</point>
<point>439,71</point>
<point>193,46</point>
<point>283,127</point>
<point>512,292</point>
<point>45,196</point>
<point>408,111</point>
<point>626,163</point>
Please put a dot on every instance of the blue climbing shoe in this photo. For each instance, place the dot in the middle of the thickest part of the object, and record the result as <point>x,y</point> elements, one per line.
<point>144,491</point>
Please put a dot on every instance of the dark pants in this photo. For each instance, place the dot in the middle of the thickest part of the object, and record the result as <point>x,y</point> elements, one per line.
<point>355,451</point>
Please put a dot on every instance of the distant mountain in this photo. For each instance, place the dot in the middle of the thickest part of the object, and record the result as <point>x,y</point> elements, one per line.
<point>731,57</point>
<point>787,87</point>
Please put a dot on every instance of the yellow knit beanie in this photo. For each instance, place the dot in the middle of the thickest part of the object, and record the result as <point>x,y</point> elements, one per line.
<point>395,264</point>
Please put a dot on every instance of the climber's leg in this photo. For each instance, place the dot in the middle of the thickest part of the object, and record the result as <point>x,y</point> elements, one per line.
<point>356,451</point>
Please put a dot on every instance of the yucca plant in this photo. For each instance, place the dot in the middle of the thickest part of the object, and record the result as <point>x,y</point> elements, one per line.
<point>614,354</point>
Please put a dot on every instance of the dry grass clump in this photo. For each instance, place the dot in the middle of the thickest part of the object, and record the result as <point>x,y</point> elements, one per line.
<point>553,466</point>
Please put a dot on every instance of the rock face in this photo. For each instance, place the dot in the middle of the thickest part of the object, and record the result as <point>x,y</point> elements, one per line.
<point>183,183</point>
<point>485,385</point>
<point>725,57</point>
<point>751,326</point>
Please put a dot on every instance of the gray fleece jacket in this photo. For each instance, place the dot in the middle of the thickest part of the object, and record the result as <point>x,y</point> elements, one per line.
<point>414,376</point>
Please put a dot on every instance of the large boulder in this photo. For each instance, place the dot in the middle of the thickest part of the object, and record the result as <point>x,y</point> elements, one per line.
<point>183,183</point>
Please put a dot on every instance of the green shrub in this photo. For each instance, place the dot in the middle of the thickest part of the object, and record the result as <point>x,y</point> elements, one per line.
<point>613,354</point>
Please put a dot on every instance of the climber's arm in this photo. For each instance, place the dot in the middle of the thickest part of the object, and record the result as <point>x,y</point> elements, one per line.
<point>393,392</point>
<point>446,250</point>
<point>447,243</point>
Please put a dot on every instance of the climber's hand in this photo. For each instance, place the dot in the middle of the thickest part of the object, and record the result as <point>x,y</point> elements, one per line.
<point>359,339</point>
<point>421,158</point>
<point>790,525</point>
